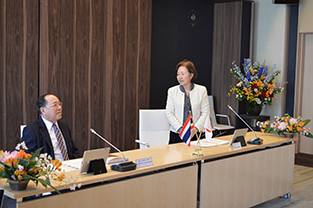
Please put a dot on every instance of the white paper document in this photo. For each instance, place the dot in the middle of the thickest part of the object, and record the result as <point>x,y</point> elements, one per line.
<point>218,141</point>
<point>71,165</point>
<point>210,143</point>
<point>203,143</point>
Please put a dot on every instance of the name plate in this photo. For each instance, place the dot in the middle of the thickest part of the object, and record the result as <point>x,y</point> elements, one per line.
<point>144,162</point>
<point>236,145</point>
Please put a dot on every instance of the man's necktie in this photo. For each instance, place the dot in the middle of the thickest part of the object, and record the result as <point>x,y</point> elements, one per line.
<point>60,141</point>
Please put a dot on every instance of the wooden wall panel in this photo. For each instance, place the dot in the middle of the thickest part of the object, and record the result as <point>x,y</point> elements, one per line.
<point>31,60</point>
<point>93,54</point>
<point>96,100</point>
<point>2,73</point>
<point>226,49</point>
<point>117,73</point>
<point>82,72</point>
<point>131,70</point>
<point>19,67</point>
<point>66,59</point>
<point>98,74</point>
<point>143,59</point>
<point>14,69</point>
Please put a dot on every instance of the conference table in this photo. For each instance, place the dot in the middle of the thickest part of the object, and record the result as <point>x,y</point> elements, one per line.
<point>221,177</point>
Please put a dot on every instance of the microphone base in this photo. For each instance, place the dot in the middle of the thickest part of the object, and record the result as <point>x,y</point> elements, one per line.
<point>123,167</point>
<point>256,141</point>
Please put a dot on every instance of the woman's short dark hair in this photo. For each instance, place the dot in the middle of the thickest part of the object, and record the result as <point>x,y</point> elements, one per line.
<point>190,67</point>
<point>41,102</point>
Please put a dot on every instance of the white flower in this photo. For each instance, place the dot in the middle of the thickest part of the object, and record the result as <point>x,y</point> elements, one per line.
<point>79,185</point>
<point>258,101</point>
<point>20,167</point>
<point>293,121</point>
<point>24,145</point>
<point>282,126</point>
<point>72,188</point>
<point>18,146</point>
<point>239,84</point>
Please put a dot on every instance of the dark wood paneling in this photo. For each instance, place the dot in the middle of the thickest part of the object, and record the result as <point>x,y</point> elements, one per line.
<point>31,66</point>
<point>96,119</point>
<point>14,66</point>
<point>131,70</point>
<point>19,67</point>
<point>118,73</point>
<point>108,57</point>
<point>143,83</point>
<point>226,49</point>
<point>66,60</point>
<point>53,70</point>
<point>94,55</point>
<point>3,42</point>
<point>143,59</point>
<point>82,69</point>
<point>97,63</point>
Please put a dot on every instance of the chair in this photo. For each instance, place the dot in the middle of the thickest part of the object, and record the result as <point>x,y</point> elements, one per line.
<point>154,128</point>
<point>222,128</point>
<point>1,197</point>
<point>21,129</point>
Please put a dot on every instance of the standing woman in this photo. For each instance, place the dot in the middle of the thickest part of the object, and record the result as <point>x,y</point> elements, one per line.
<point>183,98</point>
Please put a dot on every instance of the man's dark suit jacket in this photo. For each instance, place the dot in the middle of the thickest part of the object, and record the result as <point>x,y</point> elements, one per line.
<point>36,136</point>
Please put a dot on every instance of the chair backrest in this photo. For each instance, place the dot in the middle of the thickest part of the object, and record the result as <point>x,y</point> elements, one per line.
<point>1,197</point>
<point>153,127</point>
<point>212,112</point>
<point>21,129</point>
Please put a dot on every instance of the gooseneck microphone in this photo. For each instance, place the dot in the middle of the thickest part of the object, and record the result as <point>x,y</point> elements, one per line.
<point>94,132</point>
<point>125,166</point>
<point>255,140</point>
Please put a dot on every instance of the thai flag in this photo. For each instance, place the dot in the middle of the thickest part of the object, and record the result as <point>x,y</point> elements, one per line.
<point>185,133</point>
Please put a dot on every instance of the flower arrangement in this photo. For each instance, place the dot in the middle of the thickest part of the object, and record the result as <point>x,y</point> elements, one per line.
<point>256,84</point>
<point>19,165</point>
<point>286,124</point>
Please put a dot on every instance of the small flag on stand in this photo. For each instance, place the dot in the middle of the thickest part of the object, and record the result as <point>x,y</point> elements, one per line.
<point>208,128</point>
<point>185,133</point>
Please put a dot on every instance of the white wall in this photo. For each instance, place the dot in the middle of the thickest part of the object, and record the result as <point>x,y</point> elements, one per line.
<point>270,43</point>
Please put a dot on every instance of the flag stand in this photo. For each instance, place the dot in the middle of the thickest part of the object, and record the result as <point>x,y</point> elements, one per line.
<point>198,150</point>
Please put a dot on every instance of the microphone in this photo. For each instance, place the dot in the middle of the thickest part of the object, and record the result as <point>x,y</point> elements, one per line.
<point>125,166</point>
<point>255,140</point>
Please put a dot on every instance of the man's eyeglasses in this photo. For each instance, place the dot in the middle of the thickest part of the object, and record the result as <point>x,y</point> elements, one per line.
<point>55,105</point>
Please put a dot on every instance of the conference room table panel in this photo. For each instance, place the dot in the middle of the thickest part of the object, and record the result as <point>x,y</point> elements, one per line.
<point>250,175</point>
<point>173,177</point>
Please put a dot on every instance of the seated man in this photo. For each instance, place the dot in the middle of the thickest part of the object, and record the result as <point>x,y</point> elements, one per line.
<point>50,133</point>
